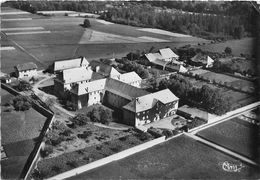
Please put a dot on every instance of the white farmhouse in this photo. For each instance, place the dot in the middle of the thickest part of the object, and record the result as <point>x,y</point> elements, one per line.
<point>26,70</point>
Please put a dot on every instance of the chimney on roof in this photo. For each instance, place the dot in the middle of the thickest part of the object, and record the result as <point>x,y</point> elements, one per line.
<point>97,68</point>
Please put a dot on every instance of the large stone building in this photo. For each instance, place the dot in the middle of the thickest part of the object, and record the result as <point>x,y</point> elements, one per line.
<point>105,85</point>
<point>66,77</point>
<point>26,70</point>
<point>136,106</point>
<point>107,91</point>
<point>150,107</point>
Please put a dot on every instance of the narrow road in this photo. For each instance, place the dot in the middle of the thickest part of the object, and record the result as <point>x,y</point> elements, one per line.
<point>220,148</point>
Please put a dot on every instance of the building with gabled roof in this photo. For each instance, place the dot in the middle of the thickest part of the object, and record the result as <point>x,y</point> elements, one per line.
<point>131,78</point>
<point>137,106</point>
<point>202,60</point>
<point>69,77</point>
<point>59,66</point>
<point>106,70</point>
<point>87,94</point>
<point>168,55</point>
<point>26,70</point>
<point>150,107</point>
<point>124,90</point>
<point>177,68</point>
<point>84,87</point>
<point>163,57</point>
<point>107,90</point>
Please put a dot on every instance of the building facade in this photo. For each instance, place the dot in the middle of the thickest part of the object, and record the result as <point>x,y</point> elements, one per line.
<point>150,108</point>
<point>26,70</point>
<point>59,66</point>
<point>118,91</point>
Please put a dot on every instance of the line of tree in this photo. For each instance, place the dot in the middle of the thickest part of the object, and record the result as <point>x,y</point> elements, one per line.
<point>230,19</point>
<point>206,97</point>
<point>210,26</point>
<point>213,7</point>
<point>80,6</point>
<point>235,66</point>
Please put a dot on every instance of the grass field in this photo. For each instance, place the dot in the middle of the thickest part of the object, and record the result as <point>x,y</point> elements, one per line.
<point>244,46</point>
<point>19,131</point>
<point>234,134</point>
<point>64,40</point>
<point>179,158</point>
<point>15,124</point>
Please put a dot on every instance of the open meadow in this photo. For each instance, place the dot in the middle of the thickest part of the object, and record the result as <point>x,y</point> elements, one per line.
<point>44,39</point>
<point>235,134</point>
<point>244,46</point>
<point>198,160</point>
<point>19,131</point>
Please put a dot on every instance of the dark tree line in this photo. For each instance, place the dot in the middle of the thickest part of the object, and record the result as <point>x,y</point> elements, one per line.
<point>210,99</point>
<point>213,7</point>
<point>209,20</point>
<point>80,6</point>
<point>199,24</point>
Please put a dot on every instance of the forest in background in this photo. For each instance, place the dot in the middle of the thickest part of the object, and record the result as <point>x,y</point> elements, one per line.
<point>210,20</point>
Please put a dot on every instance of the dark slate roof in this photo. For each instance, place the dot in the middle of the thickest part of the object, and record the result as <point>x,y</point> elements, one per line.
<point>124,90</point>
<point>26,66</point>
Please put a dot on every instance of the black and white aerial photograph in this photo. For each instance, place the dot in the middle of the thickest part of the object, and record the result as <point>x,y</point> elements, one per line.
<point>140,90</point>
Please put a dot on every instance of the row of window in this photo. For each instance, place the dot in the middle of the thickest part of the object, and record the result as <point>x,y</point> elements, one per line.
<point>85,81</point>
<point>94,92</point>
<point>147,112</point>
<point>26,71</point>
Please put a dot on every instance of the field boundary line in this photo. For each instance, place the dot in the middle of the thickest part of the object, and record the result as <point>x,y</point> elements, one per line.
<point>24,50</point>
<point>221,148</point>
<point>218,144</point>
<point>226,117</point>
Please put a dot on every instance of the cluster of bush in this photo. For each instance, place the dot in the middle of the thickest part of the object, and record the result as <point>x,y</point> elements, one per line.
<point>129,66</point>
<point>46,151</point>
<point>95,113</point>
<point>58,134</point>
<point>23,86</point>
<point>195,123</point>
<point>21,103</point>
<point>206,97</point>
<point>162,132</point>
<point>234,66</point>
<point>85,134</point>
